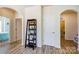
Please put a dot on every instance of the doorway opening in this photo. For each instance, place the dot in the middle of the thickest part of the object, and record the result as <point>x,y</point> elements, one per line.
<point>69,29</point>
<point>4,30</point>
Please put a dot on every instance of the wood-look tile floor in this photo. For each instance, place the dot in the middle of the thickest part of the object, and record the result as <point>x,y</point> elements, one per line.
<point>18,49</point>
<point>53,50</point>
<point>22,50</point>
<point>44,50</point>
<point>68,43</point>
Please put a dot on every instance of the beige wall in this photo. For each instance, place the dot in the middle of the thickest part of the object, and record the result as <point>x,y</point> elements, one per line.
<point>18,23</point>
<point>11,14</point>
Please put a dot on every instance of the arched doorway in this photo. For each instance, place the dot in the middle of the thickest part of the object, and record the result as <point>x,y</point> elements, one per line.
<point>69,29</point>
<point>4,29</point>
<point>14,31</point>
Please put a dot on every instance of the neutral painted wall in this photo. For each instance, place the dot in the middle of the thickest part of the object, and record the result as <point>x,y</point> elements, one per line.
<point>18,23</point>
<point>34,12</point>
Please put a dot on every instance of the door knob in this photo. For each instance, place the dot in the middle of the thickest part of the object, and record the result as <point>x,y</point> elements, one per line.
<point>53,32</point>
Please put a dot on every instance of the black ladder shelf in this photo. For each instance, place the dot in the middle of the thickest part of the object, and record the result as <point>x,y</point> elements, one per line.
<point>31,33</point>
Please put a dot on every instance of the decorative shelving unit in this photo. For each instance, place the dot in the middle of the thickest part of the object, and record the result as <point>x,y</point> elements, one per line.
<point>31,33</point>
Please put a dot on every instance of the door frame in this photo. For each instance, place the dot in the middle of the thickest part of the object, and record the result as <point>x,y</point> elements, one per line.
<point>64,21</point>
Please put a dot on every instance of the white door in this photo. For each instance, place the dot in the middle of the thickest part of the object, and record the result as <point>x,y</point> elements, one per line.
<point>51,27</point>
<point>47,27</point>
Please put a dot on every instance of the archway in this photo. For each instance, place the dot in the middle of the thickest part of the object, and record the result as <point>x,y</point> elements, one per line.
<point>68,29</point>
<point>13,31</point>
<point>4,28</point>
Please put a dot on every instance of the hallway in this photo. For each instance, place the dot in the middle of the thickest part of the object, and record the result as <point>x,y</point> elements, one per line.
<point>68,43</point>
